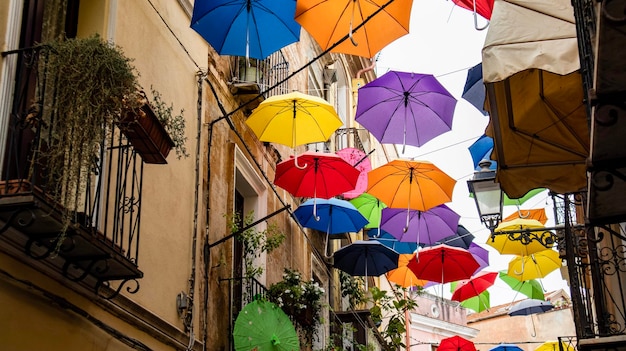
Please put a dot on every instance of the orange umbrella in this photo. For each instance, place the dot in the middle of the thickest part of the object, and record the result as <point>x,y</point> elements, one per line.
<point>329,21</point>
<point>404,276</point>
<point>414,185</point>
<point>538,214</point>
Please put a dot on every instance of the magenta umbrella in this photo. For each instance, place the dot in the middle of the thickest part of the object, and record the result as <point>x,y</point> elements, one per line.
<point>359,160</point>
<point>405,108</point>
<point>422,227</point>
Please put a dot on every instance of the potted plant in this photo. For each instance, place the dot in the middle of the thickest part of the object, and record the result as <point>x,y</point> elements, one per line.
<point>301,300</point>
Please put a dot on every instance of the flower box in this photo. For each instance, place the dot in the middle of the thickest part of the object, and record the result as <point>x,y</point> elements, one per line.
<point>147,135</point>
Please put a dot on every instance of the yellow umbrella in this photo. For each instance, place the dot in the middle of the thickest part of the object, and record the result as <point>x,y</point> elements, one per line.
<point>534,266</point>
<point>554,346</point>
<point>404,276</point>
<point>294,119</point>
<point>329,21</point>
<point>506,246</point>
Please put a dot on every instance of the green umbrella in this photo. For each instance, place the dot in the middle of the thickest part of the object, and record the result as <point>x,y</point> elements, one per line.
<point>263,326</point>
<point>477,303</point>
<point>370,207</point>
<point>521,200</point>
<point>531,288</point>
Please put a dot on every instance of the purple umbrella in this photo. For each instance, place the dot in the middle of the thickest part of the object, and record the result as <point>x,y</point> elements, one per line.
<point>422,227</point>
<point>405,108</point>
<point>480,254</point>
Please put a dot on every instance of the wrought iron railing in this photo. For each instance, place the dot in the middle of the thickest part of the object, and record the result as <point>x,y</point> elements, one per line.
<point>107,202</point>
<point>584,13</point>
<point>596,263</point>
<point>270,73</point>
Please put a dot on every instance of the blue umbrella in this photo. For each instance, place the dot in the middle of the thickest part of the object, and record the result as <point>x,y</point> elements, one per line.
<point>530,306</point>
<point>365,258</point>
<point>251,28</point>
<point>391,242</point>
<point>506,347</point>
<point>474,89</point>
<point>481,150</point>
<point>331,216</point>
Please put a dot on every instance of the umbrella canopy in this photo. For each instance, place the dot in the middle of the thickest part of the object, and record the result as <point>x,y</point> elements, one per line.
<point>538,214</point>
<point>480,254</point>
<point>520,200</point>
<point>481,150</point>
<point>359,160</point>
<point>472,287</point>
<point>244,27</point>
<point>391,242</point>
<point>553,345</point>
<point>506,246</point>
<point>263,326</point>
<point>456,343</point>
<point>294,119</point>
<point>478,303</point>
<point>415,185</point>
<point>528,307</point>
<point>365,258</point>
<point>334,216</point>
<point>531,288</point>
<point>462,238</point>
<point>324,175</point>
<point>329,22</point>
<point>443,263</point>
<point>534,266</point>
<point>405,108</point>
<point>536,99</point>
<point>403,275</point>
<point>506,347</point>
<point>422,227</point>
<point>474,89</point>
<point>370,207</point>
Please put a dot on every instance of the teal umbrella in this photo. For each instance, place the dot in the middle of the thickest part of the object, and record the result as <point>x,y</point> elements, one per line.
<point>263,326</point>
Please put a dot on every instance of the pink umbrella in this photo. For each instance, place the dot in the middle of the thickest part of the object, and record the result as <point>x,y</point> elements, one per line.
<point>358,159</point>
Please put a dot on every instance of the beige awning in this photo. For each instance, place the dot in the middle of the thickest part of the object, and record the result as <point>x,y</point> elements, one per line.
<point>535,97</point>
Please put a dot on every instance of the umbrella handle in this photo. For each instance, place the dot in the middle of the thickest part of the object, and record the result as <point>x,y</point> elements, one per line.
<point>476,20</point>
<point>315,216</point>
<point>352,20</point>
<point>295,161</point>
<point>326,255</point>
<point>522,271</point>
<point>534,333</point>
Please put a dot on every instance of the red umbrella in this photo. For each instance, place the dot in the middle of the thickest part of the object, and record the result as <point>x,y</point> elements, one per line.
<point>456,343</point>
<point>443,263</point>
<point>469,288</point>
<point>323,175</point>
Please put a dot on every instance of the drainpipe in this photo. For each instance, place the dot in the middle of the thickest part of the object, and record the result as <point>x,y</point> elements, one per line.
<point>366,69</point>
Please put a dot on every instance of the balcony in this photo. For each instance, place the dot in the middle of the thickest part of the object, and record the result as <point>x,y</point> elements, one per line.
<point>85,231</point>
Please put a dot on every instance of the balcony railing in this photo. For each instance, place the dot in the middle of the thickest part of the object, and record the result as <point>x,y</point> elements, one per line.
<point>89,230</point>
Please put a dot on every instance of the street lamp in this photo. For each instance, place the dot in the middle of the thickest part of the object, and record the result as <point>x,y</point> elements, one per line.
<point>487,194</point>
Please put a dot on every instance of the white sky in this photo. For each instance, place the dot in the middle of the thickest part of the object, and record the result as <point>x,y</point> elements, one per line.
<point>443,42</point>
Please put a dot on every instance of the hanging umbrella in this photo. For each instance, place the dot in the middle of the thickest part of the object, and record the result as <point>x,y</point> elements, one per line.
<point>534,266</point>
<point>263,326</point>
<point>478,303</point>
<point>332,216</point>
<point>530,288</point>
<point>538,214</point>
<point>370,207</point>
<point>473,286</point>
<point>536,101</point>
<point>245,27</point>
<point>329,22</point>
<point>423,227</point>
<point>456,343</point>
<point>506,347</point>
<point>294,119</point>
<point>506,246</point>
<point>414,185</point>
<point>481,150</point>
<point>365,258</point>
<point>530,306</point>
<point>480,254</point>
<point>553,345</point>
<point>443,263</point>
<point>462,238</point>
<point>480,7</point>
<point>405,108</point>
<point>361,162</point>
<point>391,242</point>
<point>403,275</point>
<point>520,200</point>
<point>474,89</point>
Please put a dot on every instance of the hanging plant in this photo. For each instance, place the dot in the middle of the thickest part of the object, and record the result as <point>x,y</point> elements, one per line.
<point>302,300</point>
